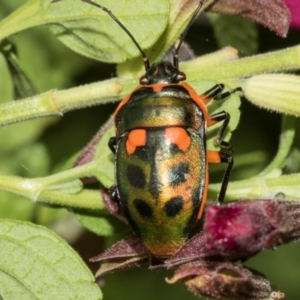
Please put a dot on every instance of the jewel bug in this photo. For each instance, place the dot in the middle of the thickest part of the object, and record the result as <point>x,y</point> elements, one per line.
<point>161,160</point>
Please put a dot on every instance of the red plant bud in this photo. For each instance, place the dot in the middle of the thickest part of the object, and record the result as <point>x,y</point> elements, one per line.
<point>273,14</point>
<point>223,280</point>
<point>244,228</point>
<point>241,229</point>
<point>128,253</point>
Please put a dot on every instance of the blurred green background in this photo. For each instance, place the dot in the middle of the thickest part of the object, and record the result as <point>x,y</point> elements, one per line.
<point>40,147</point>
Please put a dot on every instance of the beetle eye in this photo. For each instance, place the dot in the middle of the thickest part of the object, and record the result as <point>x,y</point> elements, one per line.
<point>143,80</point>
<point>180,76</point>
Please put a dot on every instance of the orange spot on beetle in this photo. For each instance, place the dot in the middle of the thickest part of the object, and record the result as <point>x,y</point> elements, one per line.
<point>179,137</point>
<point>136,138</point>
<point>211,122</point>
<point>213,156</point>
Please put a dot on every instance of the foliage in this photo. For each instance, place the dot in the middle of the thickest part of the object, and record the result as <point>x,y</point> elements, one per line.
<point>39,147</point>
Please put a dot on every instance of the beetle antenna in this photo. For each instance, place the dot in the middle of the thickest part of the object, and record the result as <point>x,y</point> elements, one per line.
<point>145,58</point>
<point>193,18</point>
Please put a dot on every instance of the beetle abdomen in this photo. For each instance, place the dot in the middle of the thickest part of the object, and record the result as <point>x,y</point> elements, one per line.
<point>160,179</point>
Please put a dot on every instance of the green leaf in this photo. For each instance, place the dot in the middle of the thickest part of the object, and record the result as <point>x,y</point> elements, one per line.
<point>51,65</point>
<point>37,264</point>
<point>91,32</point>
<point>6,85</point>
<point>102,224</point>
<point>25,17</point>
<point>23,87</point>
<point>14,207</point>
<point>245,39</point>
<point>179,16</point>
<point>53,217</point>
<point>27,160</point>
<point>105,172</point>
<point>21,134</point>
<point>98,152</point>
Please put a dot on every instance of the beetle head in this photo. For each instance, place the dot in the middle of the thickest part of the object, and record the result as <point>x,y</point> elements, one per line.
<point>162,72</point>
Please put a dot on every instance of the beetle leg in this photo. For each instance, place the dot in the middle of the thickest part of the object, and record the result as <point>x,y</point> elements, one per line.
<point>221,96</point>
<point>221,157</point>
<point>215,93</point>
<point>112,144</point>
<point>111,200</point>
<point>212,93</point>
<point>113,192</point>
<point>218,117</point>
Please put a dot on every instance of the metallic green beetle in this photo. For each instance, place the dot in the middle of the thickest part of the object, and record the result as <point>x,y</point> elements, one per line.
<point>161,160</point>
